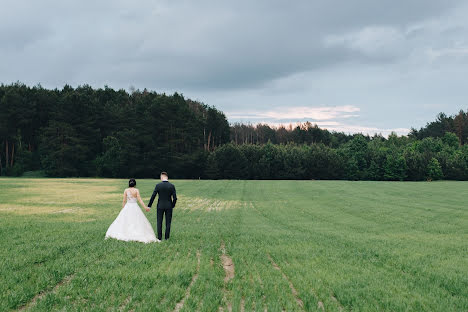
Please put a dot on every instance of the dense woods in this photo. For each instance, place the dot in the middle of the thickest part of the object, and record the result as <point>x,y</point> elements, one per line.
<point>113,133</point>
<point>104,132</point>
<point>457,124</point>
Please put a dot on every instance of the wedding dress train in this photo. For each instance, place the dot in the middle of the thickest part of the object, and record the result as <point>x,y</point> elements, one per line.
<point>131,224</point>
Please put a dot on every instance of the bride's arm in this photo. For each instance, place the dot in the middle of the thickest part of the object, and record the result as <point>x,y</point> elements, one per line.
<point>141,201</point>
<point>124,199</point>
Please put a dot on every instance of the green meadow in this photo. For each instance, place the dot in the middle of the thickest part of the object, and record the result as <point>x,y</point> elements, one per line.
<point>237,246</point>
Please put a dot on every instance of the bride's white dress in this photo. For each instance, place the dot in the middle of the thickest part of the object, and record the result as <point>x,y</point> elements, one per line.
<point>131,224</point>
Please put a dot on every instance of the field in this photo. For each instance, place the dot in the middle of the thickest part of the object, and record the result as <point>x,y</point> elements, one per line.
<point>238,245</point>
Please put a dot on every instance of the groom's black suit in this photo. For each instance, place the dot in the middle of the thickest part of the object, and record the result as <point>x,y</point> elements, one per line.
<point>166,201</point>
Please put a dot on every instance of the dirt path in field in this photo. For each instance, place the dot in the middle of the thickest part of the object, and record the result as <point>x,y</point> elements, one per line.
<point>228,266</point>
<point>291,286</point>
<point>180,304</point>
<point>42,294</point>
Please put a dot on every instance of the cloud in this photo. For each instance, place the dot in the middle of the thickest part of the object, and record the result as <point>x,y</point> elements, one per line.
<point>398,63</point>
<point>457,52</point>
<point>367,130</point>
<point>339,127</point>
<point>372,41</point>
<point>300,113</point>
<point>209,45</point>
<point>324,117</point>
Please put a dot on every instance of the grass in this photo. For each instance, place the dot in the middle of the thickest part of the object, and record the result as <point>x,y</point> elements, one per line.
<point>294,246</point>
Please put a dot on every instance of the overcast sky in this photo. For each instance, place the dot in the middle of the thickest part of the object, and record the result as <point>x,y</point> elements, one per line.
<point>354,66</point>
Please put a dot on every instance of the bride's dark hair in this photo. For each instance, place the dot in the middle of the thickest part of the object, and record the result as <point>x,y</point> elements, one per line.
<point>131,182</point>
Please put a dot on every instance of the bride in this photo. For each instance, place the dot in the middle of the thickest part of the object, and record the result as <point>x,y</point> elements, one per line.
<point>131,224</point>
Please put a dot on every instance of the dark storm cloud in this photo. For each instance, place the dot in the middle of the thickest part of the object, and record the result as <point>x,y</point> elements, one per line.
<point>203,44</point>
<point>378,57</point>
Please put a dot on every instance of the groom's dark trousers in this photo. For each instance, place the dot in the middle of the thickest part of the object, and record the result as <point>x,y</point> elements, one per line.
<point>168,213</point>
<point>166,202</point>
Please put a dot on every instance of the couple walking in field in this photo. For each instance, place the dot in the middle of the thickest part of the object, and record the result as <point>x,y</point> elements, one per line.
<point>132,225</point>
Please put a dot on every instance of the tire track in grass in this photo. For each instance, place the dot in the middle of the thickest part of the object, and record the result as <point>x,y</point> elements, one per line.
<point>64,252</point>
<point>275,266</point>
<point>90,259</point>
<point>263,290</point>
<point>288,226</point>
<point>128,304</point>
<point>320,304</point>
<point>386,265</point>
<point>228,266</point>
<point>42,294</point>
<point>229,272</point>
<point>299,301</point>
<point>180,304</point>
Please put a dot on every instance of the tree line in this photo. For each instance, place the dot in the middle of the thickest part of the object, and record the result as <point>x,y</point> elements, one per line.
<point>104,132</point>
<point>114,133</point>
<point>361,158</point>
<point>302,133</point>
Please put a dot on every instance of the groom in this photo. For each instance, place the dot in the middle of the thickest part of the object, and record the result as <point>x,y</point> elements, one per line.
<point>166,202</point>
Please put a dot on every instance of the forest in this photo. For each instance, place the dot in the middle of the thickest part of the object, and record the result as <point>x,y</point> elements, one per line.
<point>87,132</point>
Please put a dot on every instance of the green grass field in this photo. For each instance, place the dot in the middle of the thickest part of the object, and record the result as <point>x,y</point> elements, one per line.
<point>238,245</point>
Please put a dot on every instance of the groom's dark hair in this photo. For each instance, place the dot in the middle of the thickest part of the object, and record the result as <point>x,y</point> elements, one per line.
<point>165,173</point>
